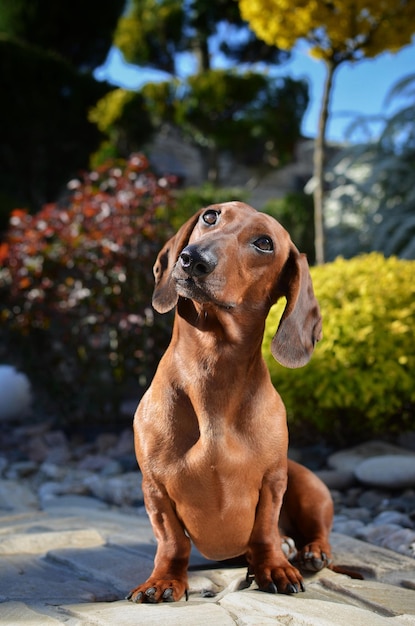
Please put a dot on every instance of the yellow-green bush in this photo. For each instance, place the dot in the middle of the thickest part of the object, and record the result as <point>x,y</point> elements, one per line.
<point>360,381</point>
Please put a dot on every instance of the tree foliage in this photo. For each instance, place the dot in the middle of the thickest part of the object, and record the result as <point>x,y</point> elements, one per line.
<point>337,31</point>
<point>79,32</point>
<point>216,109</point>
<point>154,32</point>
<point>47,52</point>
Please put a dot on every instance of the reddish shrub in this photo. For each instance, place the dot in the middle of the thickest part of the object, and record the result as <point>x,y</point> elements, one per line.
<point>76,283</point>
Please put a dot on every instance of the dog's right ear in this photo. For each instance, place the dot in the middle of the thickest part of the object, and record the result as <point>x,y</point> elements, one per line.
<point>164,295</point>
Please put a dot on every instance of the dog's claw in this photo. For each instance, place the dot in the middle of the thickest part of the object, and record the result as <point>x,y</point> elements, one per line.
<point>137,599</point>
<point>270,588</point>
<point>313,560</point>
<point>150,594</point>
<point>168,595</point>
<point>313,563</point>
<point>326,559</point>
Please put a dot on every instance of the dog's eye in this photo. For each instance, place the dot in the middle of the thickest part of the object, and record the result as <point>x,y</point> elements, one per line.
<point>210,217</point>
<point>264,244</point>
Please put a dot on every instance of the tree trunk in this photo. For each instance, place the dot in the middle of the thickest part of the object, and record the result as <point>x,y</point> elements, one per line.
<point>201,52</point>
<point>319,158</point>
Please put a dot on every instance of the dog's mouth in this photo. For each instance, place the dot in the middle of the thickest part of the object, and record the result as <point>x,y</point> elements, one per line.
<point>198,291</point>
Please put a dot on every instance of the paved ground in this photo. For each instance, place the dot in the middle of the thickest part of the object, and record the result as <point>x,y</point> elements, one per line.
<point>74,562</point>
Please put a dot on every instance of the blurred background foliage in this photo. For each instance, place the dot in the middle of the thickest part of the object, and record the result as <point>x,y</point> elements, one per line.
<point>249,112</point>
<point>371,203</point>
<point>76,258</point>
<point>75,291</point>
<point>255,118</point>
<point>48,51</point>
<point>336,32</point>
<point>295,212</point>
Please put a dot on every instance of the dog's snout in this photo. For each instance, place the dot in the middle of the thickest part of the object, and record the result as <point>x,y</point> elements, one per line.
<point>196,262</point>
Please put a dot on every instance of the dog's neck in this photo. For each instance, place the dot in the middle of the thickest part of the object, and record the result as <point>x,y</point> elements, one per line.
<point>218,365</point>
<point>224,337</point>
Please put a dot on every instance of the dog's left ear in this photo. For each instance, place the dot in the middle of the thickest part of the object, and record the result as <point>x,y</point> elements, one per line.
<point>301,326</point>
<point>164,295</point>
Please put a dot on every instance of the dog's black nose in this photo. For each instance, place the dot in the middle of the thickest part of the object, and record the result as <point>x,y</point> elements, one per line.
<point>197,262</point>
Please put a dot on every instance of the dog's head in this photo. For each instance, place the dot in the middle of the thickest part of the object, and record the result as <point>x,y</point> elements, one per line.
<point>239,260</point>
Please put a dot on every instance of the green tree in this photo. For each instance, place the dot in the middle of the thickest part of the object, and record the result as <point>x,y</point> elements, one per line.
<point>223,110</point>
<point>217,109</point>
<point>154,32</point>
<point>48,50</point>
<point>337,31</point>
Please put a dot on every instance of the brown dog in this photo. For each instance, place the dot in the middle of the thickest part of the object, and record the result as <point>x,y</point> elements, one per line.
<point>210,433</point>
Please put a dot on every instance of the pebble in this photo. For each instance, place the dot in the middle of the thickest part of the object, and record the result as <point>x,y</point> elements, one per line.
<point>123,490</point>
<point>337,478</point>
<point>42,467</point>
<point>394,517</point>
<point>15,393</point>
<point>349,459</point>
<point>15,496</point>
<point>390,471</point>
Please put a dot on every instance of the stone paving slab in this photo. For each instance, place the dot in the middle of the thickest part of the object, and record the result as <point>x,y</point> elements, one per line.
<point>13,613</point>
<point>257,610</point>
<point>108,565</point>
<point>38,542</point>
<point>74,564</point>
<point>123,614</point>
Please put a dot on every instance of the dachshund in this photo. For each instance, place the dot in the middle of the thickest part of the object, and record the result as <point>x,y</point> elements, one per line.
<point>210,433</point>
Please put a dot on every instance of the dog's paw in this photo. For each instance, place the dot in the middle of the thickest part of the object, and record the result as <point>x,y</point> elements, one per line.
<point>285,579</point>
<point>158,590</point>
<point>313,557</point>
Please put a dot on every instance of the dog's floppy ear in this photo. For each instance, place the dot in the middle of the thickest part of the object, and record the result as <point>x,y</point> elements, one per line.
<point>301,325</point>
<point>164,295</point>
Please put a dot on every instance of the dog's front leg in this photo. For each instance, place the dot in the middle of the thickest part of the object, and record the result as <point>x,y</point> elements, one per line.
<point>266,561</point>
<point>168,580</point>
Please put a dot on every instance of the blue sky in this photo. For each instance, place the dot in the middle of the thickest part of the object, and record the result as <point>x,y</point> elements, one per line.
<point>359,88</point>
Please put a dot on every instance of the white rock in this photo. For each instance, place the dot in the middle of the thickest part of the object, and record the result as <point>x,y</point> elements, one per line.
<point>389,536</point>
<point>389,471</point>
<point>14,496</point>
<point>123,490</point>
<point>40,542</point>
<point>347,460</point>
<point>393,517</point>
<point>348,527</point>
<point>377,534</point>
<point>336,479</point>
<point>15,393</point>
<point>400,541</point>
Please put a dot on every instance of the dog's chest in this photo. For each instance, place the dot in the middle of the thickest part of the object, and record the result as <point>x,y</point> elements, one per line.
<point>218,468</point>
